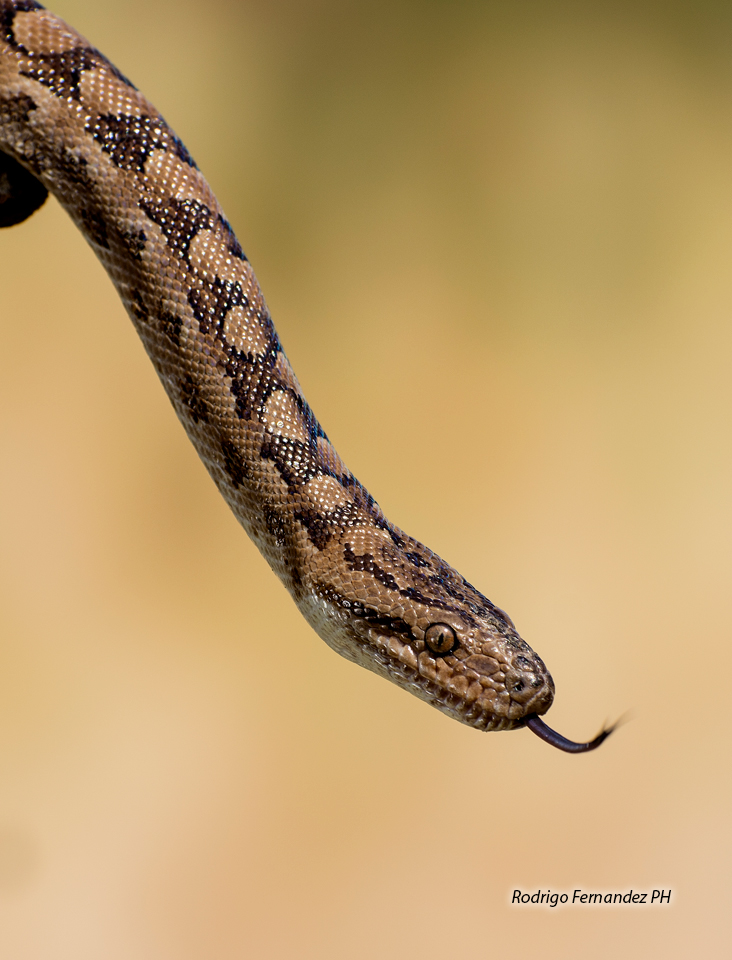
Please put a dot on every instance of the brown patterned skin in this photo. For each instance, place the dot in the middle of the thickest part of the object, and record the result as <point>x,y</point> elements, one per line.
<point>377,596</point>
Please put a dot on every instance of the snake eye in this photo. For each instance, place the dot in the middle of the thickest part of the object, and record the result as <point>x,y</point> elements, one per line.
<point>440,638</point>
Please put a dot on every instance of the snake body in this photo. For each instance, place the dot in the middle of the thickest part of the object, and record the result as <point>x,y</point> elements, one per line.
<point>72,124</point>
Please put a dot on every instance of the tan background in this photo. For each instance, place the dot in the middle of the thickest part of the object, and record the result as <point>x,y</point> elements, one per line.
<point>496,239</point>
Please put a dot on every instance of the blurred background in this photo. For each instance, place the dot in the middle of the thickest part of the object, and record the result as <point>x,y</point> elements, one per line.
<point>496,240</point>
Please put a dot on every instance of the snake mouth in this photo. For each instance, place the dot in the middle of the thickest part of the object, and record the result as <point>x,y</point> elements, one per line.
<point>545,732</point>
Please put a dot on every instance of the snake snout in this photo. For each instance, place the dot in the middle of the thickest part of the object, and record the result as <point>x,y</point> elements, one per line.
<point>529,684</point>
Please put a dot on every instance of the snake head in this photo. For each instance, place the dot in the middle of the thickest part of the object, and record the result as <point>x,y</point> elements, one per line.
<point>388,603</point>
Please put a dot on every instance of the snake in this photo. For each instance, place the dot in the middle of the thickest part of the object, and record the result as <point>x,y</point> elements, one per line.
<point>73,125</point>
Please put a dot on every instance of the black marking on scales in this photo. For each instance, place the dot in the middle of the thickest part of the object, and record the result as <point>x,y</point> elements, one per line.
<point>191,397</point>
<point>362,611</point>
<point>437,590</point>
<point>95,226</point>
<point>60,72</point>
<point>76,171</point>
<point>296,462</point>
<point>365,562</point>
<point>321,527</point>
<point>8,10</point>
<point>368,564</point>
<point>172,326</point>
<point>212,300</point>
<point>234,464</point>
<point>17,109</point>
<point>130,140</point>
<point>138,308</point>
<point>471,598</point>
<point>135,242</point>
<point>180,220</point>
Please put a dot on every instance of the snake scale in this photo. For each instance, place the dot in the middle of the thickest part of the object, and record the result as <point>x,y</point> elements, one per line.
<point>72,124</point>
